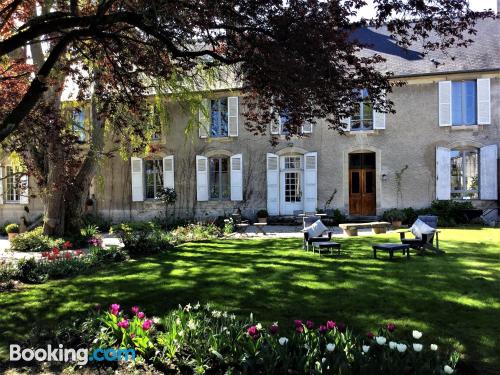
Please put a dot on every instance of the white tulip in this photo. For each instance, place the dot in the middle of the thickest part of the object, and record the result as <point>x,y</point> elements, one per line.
<point>380,340</point>
<point>392,345</point>
<point>417,334</point>
<point>191,324</point>
<point>366,348</point>
<point>258,326</point>
<point>417,347</point>
<point>448,370</point>
<point>330,347</point>
<point>401,348</point>
<point>323,360</point>
<point>434,347</point>
<point>283,340</point>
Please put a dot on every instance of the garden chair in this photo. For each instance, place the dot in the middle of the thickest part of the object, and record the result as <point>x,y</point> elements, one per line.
<point>240,225</point>
<point>423,241</point>
<point>315,231</point>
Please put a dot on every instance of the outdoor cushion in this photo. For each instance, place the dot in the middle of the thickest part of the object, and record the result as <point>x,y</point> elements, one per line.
<point>316,229</point>
<point>419,228</point>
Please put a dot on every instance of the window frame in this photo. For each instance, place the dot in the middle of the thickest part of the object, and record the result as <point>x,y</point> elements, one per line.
<point>463,192</point>
<point>364,123</point>
<point>220,124</point>
<point>78,124</point>
<point>219,173</point>
<point>11,183</point>
<point>157,175</point>
<point>464,111</point>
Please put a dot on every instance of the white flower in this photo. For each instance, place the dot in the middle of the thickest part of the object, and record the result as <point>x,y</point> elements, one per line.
<point>380,340</point>
<point>187,307</point>
<point>401,348</point>
<point>258,326</point>
<point>216,314</point>
<point>156,320</point>
<point>283,341</point>
<point>434,347</point>
<point>366,348</point>
<point>392,345</point>
<point>417,334</point>
<point>232,316</point>
<point>224,314</point>
<point>323,360</point>
<point>178,321</point>
<point>197,306</point>
<point>181,333</point>
<point>330,347</point>
<point>307,347</point>
<point>448,370</point>
<point>191,324</point>
<point>417,347</point>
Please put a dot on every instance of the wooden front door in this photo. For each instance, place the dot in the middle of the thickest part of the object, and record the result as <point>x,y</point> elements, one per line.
<point>362,198</point>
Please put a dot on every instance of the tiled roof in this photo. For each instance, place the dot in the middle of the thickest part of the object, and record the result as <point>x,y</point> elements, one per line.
<point>483,54</point>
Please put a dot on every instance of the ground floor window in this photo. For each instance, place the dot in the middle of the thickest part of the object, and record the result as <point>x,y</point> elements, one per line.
<point>154,177</point>
<point>464,173</point>
<point>13,186</point>
<point>220,188</point>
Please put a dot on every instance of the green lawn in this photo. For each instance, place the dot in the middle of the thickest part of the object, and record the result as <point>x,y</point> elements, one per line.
<point>454,299</point>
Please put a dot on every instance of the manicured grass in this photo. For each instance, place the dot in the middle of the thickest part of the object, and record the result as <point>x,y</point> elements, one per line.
<point>454,299</point>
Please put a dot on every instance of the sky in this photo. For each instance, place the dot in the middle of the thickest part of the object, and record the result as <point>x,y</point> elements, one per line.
<point>476,5</point>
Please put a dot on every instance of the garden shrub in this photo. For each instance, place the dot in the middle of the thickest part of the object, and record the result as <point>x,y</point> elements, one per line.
<point>196,339</point>
<point>229,227</point>
<point>195,232</point>
<point>33,241</point>
<point>335,216</point>
<point>107,255</point>
<point>8,271</point>
<point>142,238</point>
<point>98,221</point>
<point>450,213</point>
<point>30,271</point>
<point>2,230</point>
<point>12,228</point>
<point>393,214</point>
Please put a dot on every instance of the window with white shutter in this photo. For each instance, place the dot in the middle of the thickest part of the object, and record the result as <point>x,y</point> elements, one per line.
<point>483,101</point>
<point>237,177</point>
<point>310,181</point>
<point>443,173</point>
<point>168,172</point>
<point>444,95</point>
<point>137,178</point>
<point>273,175</point>
<point>489,172</point>
<point>232,116</point>
<point>204,119</point>
<point>201,178</point>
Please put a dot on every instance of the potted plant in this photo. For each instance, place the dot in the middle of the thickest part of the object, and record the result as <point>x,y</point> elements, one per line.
<point>12,230</point>
<point>262,216</point>
<point>395,216</point>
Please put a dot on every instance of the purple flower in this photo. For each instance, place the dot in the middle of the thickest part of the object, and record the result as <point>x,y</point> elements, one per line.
<point>135,310</point>
<point>95,241</point>
<point>323,329</point>
<point>273,329</point>
<point>370,335</point>
<point>123,324</point>
<point>299,329</point>
<point>140,315</point>
<point>331,324</point>
<point>298,323</point>
<point>341,327</point>
<point>253,332</point>
<point>115,308</point>
<point>310,324</point>
<point>391,327</point>
<point>147,324</point>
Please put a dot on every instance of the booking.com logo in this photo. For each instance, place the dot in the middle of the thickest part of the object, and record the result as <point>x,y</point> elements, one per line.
<point>79,356</point>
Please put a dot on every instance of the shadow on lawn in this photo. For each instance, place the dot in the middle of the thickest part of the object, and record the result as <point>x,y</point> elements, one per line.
<point>452,297</point>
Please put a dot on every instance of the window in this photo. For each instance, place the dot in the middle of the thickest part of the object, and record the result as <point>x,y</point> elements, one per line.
<point>363,120</point>
<point>464,174</point>
<point>218,118</point>
<point>463,103</point>
<point>78,124</point>
<point>12,185</point>
<point>220,188</point>
<point>293,184</point>
<point>153,170</point>
<point>156,123</point>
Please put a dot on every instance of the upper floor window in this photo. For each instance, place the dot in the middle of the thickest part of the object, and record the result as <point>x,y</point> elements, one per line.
<point>219,184</point>
<point>78,124</point>
<point>218,117</point>
<point>153,171</point>
<point>464,173</point>
<point>156,123</point>
<point>12,185</point>
<point>363,119</point>
<point>463,102</point>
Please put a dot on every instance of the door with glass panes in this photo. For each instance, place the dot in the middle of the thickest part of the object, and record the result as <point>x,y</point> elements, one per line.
<point>362,195</point>
<point>291,181</point>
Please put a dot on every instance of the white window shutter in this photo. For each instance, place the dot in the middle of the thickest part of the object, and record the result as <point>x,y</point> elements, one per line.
<point>275,127</point>
<point>307,128</point>
<point>168,172</point>
<point>378,120</point>
<point>488,188</point>
<point>237,177</point>
<point>346,121</point>
<point>204,119</point>
<point>232,116</point>
<point>273,177</point>
<point>201,178</point>
<point>444,103</point>
<point>310,181</point>
<point>483,101</point>
<point>443,173</point>
<point>24,198</point>
<point>137,174</point>
<point>1,184</point>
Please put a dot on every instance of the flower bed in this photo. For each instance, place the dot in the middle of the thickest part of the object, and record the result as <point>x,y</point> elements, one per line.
<point>195,339</point>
